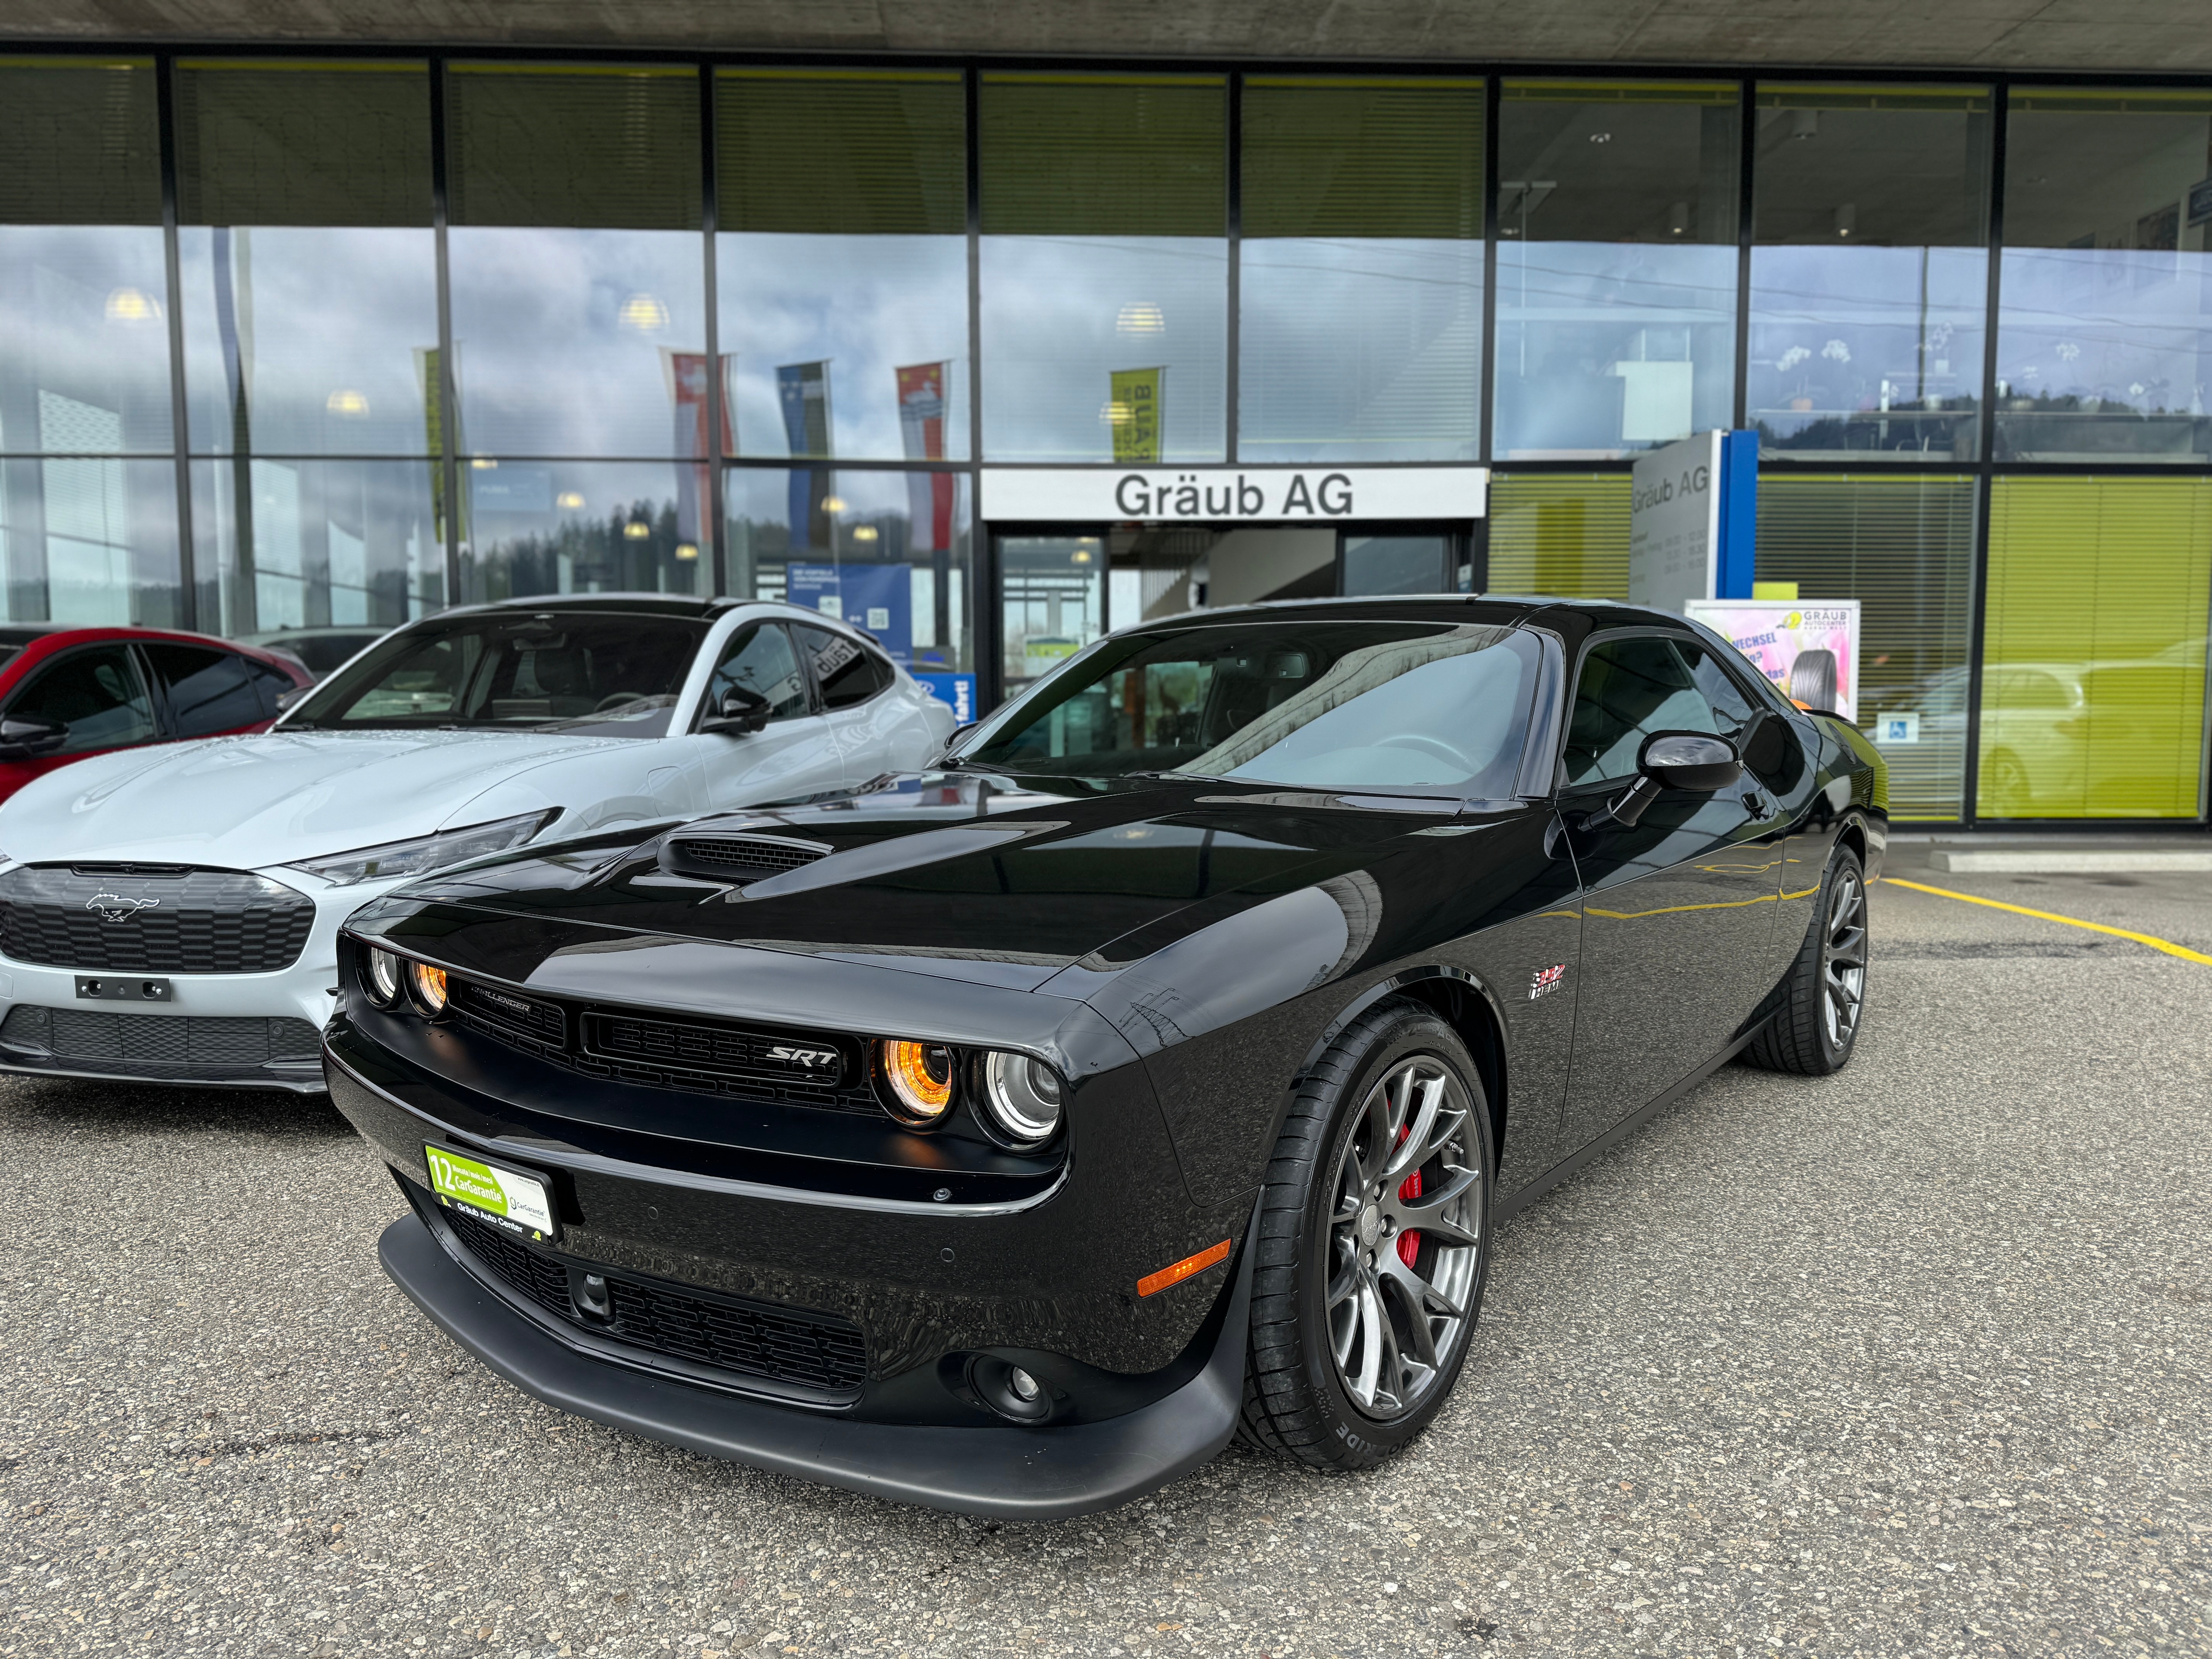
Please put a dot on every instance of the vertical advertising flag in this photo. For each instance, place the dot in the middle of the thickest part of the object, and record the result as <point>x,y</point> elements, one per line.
<point>922,426</point>
<point>686,374</point>
<point>802,389</point>
<point>1135,411</point>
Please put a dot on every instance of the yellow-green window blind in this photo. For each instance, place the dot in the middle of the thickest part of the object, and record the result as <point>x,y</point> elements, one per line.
<point>1559,533</point>
<point>1904,549</point>
<point>2093,652</point>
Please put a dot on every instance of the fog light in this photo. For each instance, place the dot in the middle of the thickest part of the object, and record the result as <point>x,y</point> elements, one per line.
<point>920,1079</point>
<point>384,986</point>
<point>428,985</point>
<point>1007,1389</point>
<point>1024,1098</point>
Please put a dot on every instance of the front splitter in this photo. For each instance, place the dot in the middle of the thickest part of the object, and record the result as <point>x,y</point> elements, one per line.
<point>1006,1471</point>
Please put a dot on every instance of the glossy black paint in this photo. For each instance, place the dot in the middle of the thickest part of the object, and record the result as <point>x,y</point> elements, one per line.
<point>1180,950</point>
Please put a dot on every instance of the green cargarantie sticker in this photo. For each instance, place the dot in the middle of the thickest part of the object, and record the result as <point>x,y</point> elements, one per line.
<point>517,1201</point>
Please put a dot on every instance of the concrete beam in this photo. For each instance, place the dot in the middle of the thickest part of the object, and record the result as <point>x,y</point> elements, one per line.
<point>2065,35</point>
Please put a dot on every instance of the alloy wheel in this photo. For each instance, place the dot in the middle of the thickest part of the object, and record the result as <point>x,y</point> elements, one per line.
<point>1844,959</point>
<point>1405,1237</point>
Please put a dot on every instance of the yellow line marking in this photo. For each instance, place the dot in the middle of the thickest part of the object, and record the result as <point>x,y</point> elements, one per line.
<point>2164,945</point>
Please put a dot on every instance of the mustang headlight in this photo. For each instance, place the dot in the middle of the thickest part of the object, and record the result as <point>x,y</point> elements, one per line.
<point>427,852</point>
<point>1022,1096</point>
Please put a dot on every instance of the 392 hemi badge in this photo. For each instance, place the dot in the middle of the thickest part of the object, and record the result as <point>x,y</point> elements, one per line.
<point>1546,981</point>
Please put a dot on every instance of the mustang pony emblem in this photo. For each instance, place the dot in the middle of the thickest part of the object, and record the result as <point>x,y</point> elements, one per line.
<point>113,906</point>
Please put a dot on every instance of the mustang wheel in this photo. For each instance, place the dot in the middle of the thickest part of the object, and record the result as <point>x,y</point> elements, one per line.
<point>1824,990</point>
<point>1374,1240</point>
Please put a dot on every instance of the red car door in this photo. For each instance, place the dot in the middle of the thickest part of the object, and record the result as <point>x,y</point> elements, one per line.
<point>83,701</point>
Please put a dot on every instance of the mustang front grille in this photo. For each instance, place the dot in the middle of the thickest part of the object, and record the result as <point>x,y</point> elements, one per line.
<point>208,1045</point>
<point>783,1345</point>
<point>152,919</point>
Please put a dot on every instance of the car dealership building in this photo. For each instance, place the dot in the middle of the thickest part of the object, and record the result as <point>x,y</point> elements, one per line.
<point>992,328</point>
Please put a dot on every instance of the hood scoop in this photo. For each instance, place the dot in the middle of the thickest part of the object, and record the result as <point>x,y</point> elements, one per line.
<point>737,858</point>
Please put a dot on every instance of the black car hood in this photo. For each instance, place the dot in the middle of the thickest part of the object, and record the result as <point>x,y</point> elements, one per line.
<point>987,877</point>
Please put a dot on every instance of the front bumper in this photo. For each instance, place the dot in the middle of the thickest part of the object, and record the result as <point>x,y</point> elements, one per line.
<point>202,1055</point>
<point>1004,1470</point>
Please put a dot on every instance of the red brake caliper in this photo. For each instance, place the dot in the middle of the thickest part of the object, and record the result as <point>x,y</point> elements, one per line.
<point>1409,1241</point>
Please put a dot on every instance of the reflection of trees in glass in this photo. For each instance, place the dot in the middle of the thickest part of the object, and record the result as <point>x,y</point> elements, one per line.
<point>632,550</point>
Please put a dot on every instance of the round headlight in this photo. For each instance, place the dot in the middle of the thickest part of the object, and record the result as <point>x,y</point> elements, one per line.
<point>428,985</point>
<point>384,971</point>
<point>920,1079</point>
<point>1024,1098</point>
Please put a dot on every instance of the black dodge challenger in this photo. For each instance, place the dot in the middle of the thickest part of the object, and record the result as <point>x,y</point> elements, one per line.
<point>1156,1070</point>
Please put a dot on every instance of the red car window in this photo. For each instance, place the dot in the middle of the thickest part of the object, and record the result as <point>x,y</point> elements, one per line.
<point>97,693</point>
<point>210,690</point>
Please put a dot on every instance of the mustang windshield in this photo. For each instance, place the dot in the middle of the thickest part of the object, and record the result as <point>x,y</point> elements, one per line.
<point>608,674</point>
<point>1419,707</point>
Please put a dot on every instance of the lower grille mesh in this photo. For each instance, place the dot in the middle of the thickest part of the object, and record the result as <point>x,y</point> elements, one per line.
<point>155,1044</point>
<point>808,1350</point>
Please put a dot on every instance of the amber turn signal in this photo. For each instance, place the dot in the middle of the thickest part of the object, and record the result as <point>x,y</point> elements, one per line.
<point>1152,1284</point>
<point>920,1079</point>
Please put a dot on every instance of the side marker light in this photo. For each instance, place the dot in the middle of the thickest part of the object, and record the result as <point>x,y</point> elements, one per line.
<point>1153,1284</point>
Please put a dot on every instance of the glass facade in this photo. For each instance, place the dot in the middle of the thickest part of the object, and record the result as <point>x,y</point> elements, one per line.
<point>349,340</point>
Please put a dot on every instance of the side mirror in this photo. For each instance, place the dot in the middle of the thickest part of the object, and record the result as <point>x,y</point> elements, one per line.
<point>953,740</point>
<point>1695,763</point>
<point>286,701</point>
<point>740,714</point>
<point>28,736</point>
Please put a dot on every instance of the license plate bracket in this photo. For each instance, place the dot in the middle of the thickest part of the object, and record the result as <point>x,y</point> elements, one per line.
<point>123,987</point>
<point>514,1201</point>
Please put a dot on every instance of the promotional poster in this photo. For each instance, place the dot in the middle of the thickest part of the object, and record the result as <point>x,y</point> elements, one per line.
<point>1809,647</point>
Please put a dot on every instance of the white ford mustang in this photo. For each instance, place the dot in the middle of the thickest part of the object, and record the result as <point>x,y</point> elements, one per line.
<point>172,913</point>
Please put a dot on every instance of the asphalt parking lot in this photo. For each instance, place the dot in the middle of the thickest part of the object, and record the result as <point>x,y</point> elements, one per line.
<point>1913,1360</point>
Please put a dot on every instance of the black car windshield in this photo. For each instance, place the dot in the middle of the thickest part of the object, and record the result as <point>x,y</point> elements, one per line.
<point>1396,707</point>
<point>604,674</point>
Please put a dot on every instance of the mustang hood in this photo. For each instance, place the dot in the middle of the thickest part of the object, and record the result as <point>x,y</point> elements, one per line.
<point>992,879</point>
<point>246,803</point>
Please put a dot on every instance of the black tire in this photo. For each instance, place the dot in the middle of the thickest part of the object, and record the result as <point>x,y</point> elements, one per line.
<point>1813,678</point>
<point>1824,992</point>
<point>1298,1400</point>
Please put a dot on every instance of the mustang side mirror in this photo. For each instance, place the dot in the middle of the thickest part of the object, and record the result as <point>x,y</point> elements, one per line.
<point>1696,763</point>
<point>740,714</point>
<point>26,737</point>
<point>288,701</point>
<point>954,740</point>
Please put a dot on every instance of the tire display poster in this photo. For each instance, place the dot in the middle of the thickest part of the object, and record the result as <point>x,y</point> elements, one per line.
<point>1809,649</point>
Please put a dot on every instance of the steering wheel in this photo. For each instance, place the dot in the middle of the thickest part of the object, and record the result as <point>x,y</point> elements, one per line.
<point>1421,742</point>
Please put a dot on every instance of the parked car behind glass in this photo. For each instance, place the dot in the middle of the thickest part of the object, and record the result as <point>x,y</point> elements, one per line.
<point>173,914</point>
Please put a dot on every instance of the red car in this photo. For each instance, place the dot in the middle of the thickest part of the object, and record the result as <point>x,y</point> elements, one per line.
<point>66,693</point>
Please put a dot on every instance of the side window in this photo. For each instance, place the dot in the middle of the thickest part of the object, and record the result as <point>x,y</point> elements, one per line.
<point>269,684</point>
<point>760,660</point>
<point>1718,687</point>
<point>1630,688</point>
<point>97,693</point>
<point>209,691</point>
<point>847,671</point>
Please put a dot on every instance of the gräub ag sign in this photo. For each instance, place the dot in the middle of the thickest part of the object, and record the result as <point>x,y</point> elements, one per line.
<point>1233,494</point>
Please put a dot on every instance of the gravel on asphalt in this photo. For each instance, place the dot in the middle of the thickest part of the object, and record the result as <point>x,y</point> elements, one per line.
<point>1916,1359</point>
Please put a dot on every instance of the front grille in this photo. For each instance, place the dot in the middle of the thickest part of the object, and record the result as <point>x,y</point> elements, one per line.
<point>738,857</point>
<point>527,1016</point>
<point>783,1345</point>
<point>151,919</point>
<point>793,1068</point>
<point>155,1045</point>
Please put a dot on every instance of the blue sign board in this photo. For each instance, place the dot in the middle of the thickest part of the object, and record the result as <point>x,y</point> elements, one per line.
<point>877,597</point>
